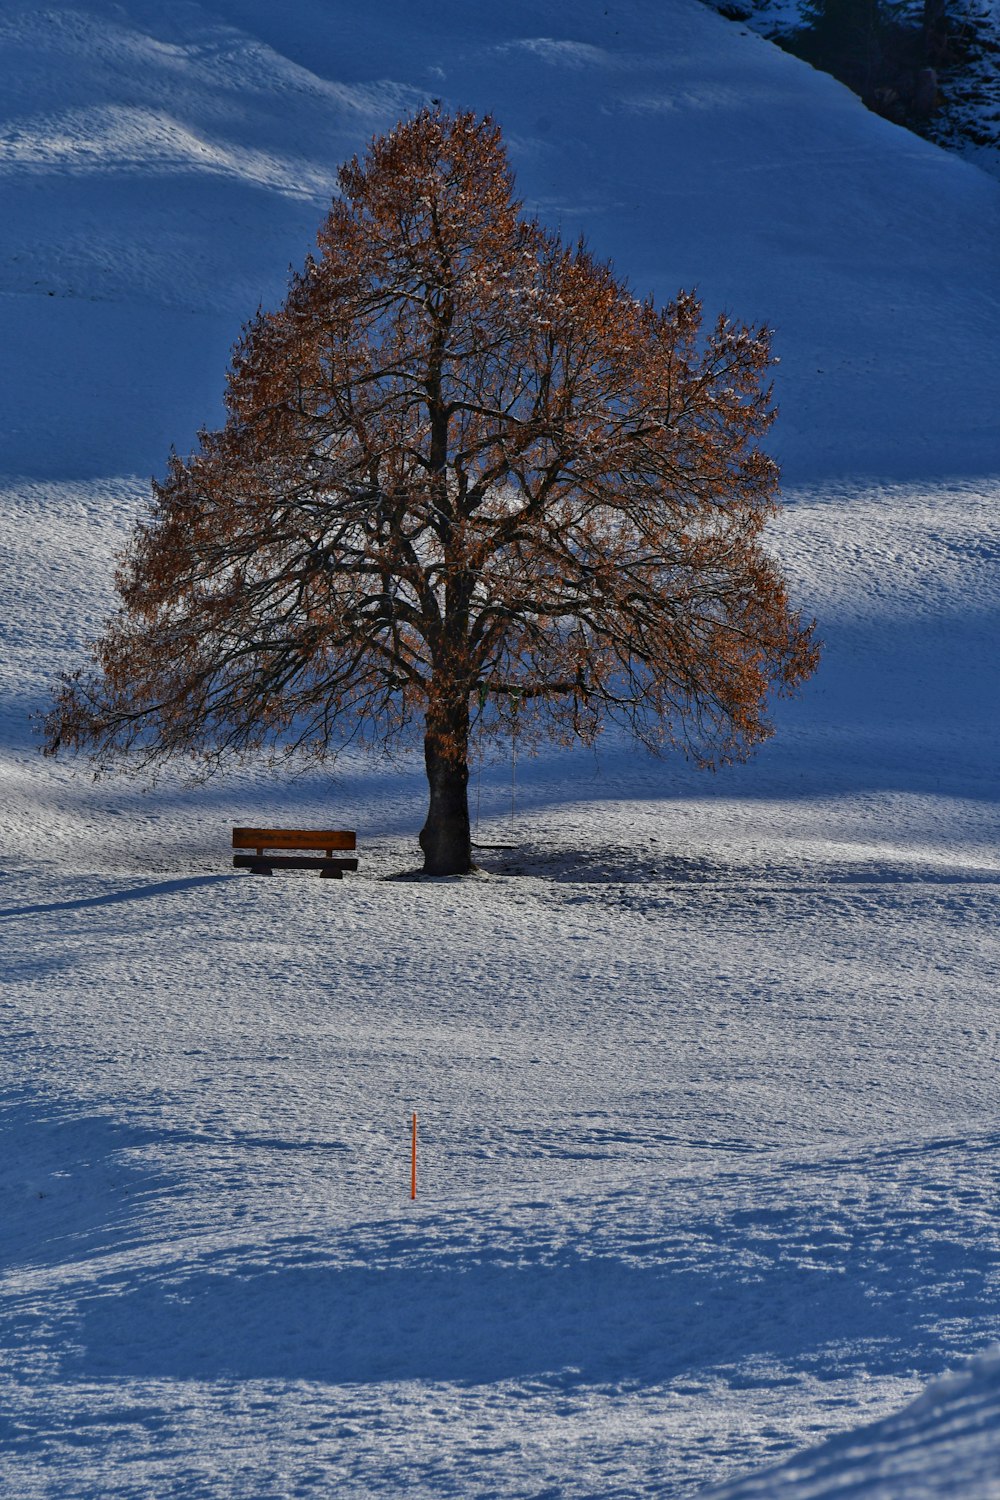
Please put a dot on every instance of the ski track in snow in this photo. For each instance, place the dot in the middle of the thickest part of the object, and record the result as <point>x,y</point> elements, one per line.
<point>706,1068</point>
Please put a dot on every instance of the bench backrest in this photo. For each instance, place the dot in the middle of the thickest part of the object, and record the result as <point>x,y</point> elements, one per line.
<point>327,839</point>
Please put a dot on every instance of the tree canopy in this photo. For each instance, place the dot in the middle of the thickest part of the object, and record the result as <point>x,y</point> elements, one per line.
<point>464,472</point>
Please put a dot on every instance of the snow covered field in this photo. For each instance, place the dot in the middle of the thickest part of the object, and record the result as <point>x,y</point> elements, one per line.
<point>706,1069</point>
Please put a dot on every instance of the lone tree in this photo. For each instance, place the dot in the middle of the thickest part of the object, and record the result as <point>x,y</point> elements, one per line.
<point>465,477</point>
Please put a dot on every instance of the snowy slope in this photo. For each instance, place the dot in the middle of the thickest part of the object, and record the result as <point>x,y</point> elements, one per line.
<point>706,1069</point>
<point>178,157</point>
<point>944,1443</point>
<point>965,118</point>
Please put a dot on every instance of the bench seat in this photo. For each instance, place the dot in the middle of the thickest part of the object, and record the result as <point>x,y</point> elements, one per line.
<point>264,840</point>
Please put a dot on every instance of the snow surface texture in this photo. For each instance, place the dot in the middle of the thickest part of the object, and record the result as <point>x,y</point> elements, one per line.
<point>706,1069</point>
<point>942,1444</point>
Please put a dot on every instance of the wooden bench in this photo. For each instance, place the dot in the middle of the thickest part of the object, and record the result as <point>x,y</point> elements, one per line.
<point>263,839</point>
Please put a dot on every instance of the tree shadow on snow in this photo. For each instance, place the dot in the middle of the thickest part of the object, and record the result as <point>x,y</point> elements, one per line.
<point>759,1297</point>
<point>115,898</point>
<point>71,1181</point>
<point>647,862</point>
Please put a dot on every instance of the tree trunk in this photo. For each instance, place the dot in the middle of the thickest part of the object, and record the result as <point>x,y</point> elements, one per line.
<point>446,837</point>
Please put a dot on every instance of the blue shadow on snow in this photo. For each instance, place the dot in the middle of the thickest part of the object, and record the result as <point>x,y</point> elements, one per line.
<point>114,898</point>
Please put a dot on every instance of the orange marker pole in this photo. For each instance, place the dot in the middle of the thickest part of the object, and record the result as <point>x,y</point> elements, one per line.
<point>413,1161</point>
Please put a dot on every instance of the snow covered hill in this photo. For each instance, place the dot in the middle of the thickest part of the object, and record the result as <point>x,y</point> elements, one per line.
<point>162,164</point>
<point>705,1069</point>
<point>944,1443</point>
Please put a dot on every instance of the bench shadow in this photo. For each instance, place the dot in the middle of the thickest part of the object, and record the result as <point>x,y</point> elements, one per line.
<point>114,898</point>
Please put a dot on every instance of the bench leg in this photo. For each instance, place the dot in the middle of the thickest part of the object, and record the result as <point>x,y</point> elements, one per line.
<point>331,874</point>
<point>261,867</point>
